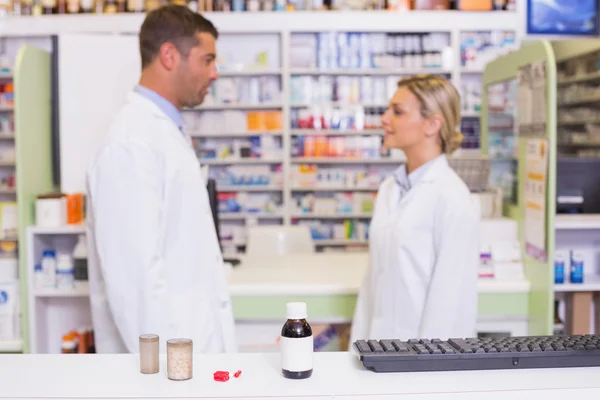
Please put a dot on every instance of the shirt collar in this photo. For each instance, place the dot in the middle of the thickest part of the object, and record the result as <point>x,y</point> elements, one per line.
<point>407,181</point>
<point>165,105</point>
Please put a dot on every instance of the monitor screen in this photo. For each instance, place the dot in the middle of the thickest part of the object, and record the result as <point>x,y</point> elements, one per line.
<point>562,17</point>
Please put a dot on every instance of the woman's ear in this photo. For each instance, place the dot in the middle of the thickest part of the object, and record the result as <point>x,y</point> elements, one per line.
<point>433,125</point>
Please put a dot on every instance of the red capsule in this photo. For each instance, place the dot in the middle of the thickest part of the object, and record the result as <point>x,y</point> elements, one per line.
<point>221,376</point>
<point>238,373</point>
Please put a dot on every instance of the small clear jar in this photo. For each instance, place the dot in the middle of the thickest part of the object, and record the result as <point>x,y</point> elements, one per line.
<point>179,359</point>
<point>149,354</point>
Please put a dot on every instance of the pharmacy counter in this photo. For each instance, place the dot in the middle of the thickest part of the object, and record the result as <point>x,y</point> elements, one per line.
<point>329,284</point>
<point>337,375</point>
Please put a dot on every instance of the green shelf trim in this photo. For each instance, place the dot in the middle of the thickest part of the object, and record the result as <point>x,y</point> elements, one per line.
<point>32,79</point>
<point>539,274</point>
<point>342,306</point>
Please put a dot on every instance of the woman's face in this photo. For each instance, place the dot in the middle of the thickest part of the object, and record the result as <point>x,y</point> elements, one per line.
<point>402,122</point>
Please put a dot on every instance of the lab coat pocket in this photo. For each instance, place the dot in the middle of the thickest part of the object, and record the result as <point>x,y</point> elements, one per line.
<point>225,313</point>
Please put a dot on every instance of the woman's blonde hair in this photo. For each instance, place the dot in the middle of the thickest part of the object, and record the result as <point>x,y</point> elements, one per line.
<point>438,96</point>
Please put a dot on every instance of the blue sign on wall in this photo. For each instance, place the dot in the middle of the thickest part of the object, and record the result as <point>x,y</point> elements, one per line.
<point>562,17</point>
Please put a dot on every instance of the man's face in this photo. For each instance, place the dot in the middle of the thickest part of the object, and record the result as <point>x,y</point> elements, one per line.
<point>197,72</point>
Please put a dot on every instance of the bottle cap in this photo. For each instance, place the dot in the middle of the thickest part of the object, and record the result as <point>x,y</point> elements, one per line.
<point>296,310</point>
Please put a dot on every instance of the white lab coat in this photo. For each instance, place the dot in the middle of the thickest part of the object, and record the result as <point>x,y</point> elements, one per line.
<point>155,263</point>
<point>424,258</point>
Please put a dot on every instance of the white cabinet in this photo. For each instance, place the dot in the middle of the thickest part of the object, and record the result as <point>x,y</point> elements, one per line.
<point>95,73</point>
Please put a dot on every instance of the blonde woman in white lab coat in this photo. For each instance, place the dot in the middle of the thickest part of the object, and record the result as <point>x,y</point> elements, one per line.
<point>424,249</point>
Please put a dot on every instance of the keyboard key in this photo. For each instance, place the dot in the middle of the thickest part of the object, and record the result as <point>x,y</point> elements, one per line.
<point>375,346</point>
<point>387,346</point>
<point>363,346</point>
<point>458,343</point>
<point>401,347</point>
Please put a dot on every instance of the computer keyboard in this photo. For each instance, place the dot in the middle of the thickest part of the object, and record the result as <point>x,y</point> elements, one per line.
<point>479,353</point>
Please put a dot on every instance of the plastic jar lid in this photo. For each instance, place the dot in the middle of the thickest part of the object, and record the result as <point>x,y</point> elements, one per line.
<point>179,342</point>
<point>149,338</point>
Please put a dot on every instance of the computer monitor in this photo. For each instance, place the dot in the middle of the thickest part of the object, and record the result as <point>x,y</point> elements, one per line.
<point>213,195</point>
<point>211,187</point>
<point>577,185</point>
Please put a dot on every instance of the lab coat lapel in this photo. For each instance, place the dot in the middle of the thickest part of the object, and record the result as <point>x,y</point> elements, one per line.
<point>436,170</point>
<point>175,133</point>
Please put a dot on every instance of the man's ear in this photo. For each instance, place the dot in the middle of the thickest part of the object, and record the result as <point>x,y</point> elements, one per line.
<point>168,55</point>
<point>433,124</point>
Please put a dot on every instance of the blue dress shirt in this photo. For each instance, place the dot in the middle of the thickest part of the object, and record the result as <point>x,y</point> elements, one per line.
<point>165,105</point>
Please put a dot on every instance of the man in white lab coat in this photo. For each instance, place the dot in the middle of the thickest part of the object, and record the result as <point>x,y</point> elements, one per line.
<point>155,263</point>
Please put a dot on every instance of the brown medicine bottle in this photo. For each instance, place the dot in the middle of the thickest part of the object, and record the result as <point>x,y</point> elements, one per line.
<point>296,344</point>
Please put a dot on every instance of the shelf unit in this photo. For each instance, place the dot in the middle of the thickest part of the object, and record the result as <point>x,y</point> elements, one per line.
<point>282,65</point>
<point>52,311</point>
<point>570,116</point>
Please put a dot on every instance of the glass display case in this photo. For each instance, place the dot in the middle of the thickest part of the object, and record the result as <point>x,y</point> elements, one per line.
<point>502,132</point>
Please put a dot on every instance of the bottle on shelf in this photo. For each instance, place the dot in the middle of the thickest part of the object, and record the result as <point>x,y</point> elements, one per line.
<point>559,326</point>
<point>69,344</point>
<point>80,259</point>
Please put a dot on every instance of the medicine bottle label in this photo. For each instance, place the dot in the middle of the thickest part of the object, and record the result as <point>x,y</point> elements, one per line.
<point>297,354</point>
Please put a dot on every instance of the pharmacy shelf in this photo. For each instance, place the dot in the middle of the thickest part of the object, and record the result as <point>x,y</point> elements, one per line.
<point>6,108</point>
<point>331,216</point>
<point>250,72</point>
<point>591,283</point>
<point>339,242</point>
<point>241,161</point>
<point>236,134</point>
<point>492,285</point>
<point>8,191</point>
<point>577,221</point>
<point>368,71</point>
<point>233,243</point>
<point>341,160</point>
<point>579,122</point>
<point>594,77</point>
<point>334,189</point>
<point>471,70</point>
<point>80,289</point>
<point>336,132</point>
<point>580,100</point>
<point>4,136</point>
<point>265,106</point>
<point>250,188</point>
<point>6,75</point>
<point>60,230</point>
<point>265,22</point>
<point>338,104</point>
<point>11,346</point>
<point>248,215</point>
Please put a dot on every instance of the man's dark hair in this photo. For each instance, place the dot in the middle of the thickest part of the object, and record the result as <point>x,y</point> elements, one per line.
<point>175,24</point>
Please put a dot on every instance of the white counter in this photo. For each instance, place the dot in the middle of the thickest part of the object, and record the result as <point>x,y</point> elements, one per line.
<point>322,273</point>
<point>336,376</point>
